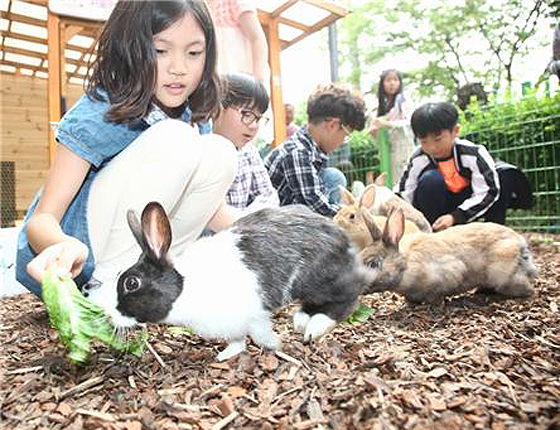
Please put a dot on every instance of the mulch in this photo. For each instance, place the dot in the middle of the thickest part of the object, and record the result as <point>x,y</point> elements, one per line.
<point>473,362</point>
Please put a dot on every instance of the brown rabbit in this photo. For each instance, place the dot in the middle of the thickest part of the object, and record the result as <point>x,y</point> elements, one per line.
<point>384,201</point>
<point>428,267</point>
<point>350,219</point>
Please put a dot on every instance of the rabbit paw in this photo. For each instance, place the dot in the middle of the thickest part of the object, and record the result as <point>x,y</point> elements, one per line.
<point>300,320</point>
<point>318,325</point>
<point>263,335</point>
<point>231,350</point>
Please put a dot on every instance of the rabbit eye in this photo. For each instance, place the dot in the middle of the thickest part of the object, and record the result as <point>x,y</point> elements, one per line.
<point>352,216</point>
<point>131,284</point>
<point>375,263</point>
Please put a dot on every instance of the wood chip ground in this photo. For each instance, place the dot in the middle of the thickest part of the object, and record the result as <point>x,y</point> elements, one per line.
<point>471,363</point>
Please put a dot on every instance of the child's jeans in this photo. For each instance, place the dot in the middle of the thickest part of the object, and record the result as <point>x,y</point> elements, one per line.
<point>333,179</point>
<point>433,198</point>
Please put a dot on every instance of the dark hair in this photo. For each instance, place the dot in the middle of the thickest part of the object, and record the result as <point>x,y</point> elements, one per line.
<point>467,91</point>
<point>433,118</point>
<point>334,101</point>
<point>126,65</point>
<point>244,90</point>
<point>386,104</point>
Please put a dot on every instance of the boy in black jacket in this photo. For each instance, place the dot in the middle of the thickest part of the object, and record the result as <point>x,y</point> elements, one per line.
<point>450,180</point>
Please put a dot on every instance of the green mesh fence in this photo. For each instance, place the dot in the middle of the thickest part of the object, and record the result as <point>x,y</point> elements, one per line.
<point>361,161</point>
<point>529,139</point>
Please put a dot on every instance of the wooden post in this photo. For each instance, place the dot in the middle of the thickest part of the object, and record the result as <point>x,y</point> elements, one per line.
<point>274,50</point>
<point>55,76</point>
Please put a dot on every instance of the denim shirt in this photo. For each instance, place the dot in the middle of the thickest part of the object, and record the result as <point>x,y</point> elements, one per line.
<point>84,131</point>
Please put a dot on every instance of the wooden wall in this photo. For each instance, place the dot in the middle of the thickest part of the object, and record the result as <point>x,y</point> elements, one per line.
<point>24,132</point>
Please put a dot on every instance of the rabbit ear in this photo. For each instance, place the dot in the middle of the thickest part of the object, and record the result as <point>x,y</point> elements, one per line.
<point>375,232</point>
<point>368,197</point>
<point>134,224</point>
<point>347,197</point>
<point>394,228</point>
<point>380,180</point>
<point>156,229</point>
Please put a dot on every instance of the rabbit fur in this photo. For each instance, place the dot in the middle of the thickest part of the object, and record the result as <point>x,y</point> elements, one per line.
<point>227,285</point>
<point>350,219</point>
<point>384,201</point>
<point>428,267</point>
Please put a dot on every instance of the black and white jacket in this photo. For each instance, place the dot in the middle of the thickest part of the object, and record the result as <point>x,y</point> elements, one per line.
<point>473,163</point>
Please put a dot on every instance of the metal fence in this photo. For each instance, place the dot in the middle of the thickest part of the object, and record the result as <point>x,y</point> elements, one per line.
<point>529,140</point>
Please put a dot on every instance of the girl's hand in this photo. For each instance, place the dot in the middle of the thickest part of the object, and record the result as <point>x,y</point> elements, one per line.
<point>66,258</point>
<point>373,129</point>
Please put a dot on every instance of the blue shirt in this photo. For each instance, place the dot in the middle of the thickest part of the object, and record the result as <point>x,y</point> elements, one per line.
<point>84,131</point>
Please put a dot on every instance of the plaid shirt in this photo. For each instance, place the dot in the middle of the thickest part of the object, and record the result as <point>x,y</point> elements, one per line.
<point>295,169</point>
<point>251,189</point>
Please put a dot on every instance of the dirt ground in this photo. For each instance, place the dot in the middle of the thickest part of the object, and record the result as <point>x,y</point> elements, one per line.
<point>471,363</point>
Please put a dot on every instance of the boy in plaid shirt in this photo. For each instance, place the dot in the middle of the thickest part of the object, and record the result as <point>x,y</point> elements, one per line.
<point>298,167</point>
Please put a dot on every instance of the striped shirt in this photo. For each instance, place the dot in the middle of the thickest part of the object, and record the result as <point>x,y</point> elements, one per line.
<point>251,189</point>
<point>295,169</point>
<point>474,164</point>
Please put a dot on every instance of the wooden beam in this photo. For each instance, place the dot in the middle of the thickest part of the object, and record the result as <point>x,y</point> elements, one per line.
<point>328,6</point>
<point>315,27</point>
<point>278,11</point>
<point>55,76</point>
<point>40,41</point>
<point>274,50</point>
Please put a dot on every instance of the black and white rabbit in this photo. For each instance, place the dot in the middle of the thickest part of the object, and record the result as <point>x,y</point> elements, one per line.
<point>226,286</point>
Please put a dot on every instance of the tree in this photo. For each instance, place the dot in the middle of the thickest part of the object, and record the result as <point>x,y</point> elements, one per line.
<point>461,41</point>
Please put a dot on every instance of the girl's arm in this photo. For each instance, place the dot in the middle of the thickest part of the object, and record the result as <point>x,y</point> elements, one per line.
<point>251,27</point>
<point>224,216</point>
<point>43,229</point>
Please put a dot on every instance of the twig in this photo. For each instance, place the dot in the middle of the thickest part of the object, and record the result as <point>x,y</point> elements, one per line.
<point>156,355</point>
<point>285,393</point>
<point>83,386</point>
<point>100,415</point>
<point>24,370</point>
<point>288,358</point>
<point>224,422</point>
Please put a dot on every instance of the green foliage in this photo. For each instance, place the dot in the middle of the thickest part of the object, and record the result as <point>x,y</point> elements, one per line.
<point>78,320</point>
<point>360,315</point>
<point>460,42</point>
<point>364,156</point>
<point>525,133</point>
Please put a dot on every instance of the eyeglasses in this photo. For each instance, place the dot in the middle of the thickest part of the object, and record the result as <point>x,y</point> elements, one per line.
<point>249,117</point>
<point>346,131</point>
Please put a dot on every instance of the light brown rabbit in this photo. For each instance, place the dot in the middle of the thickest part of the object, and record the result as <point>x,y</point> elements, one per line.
<point>428,267</point>
<point>351,220</point>
<point>384,201</point>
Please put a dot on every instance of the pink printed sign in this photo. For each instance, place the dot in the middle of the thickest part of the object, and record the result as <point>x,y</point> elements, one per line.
<point>97,10</point>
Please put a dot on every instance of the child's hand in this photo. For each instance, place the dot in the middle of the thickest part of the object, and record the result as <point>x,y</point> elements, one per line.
<point>374,127</point>
<point>443,222</point>
<point>65,258</point>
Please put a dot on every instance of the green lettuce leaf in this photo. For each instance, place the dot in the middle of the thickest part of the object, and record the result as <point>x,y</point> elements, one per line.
<point>361,314</point>
<point>79,320</point>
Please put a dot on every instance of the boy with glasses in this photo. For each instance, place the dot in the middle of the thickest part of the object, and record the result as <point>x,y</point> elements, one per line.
<point>243,105</point>
<point>298,167</point>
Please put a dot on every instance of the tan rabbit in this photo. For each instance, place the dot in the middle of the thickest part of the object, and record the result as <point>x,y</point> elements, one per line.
<point>384,201</point>
<point>350,219</point>
<point>428,267</point>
